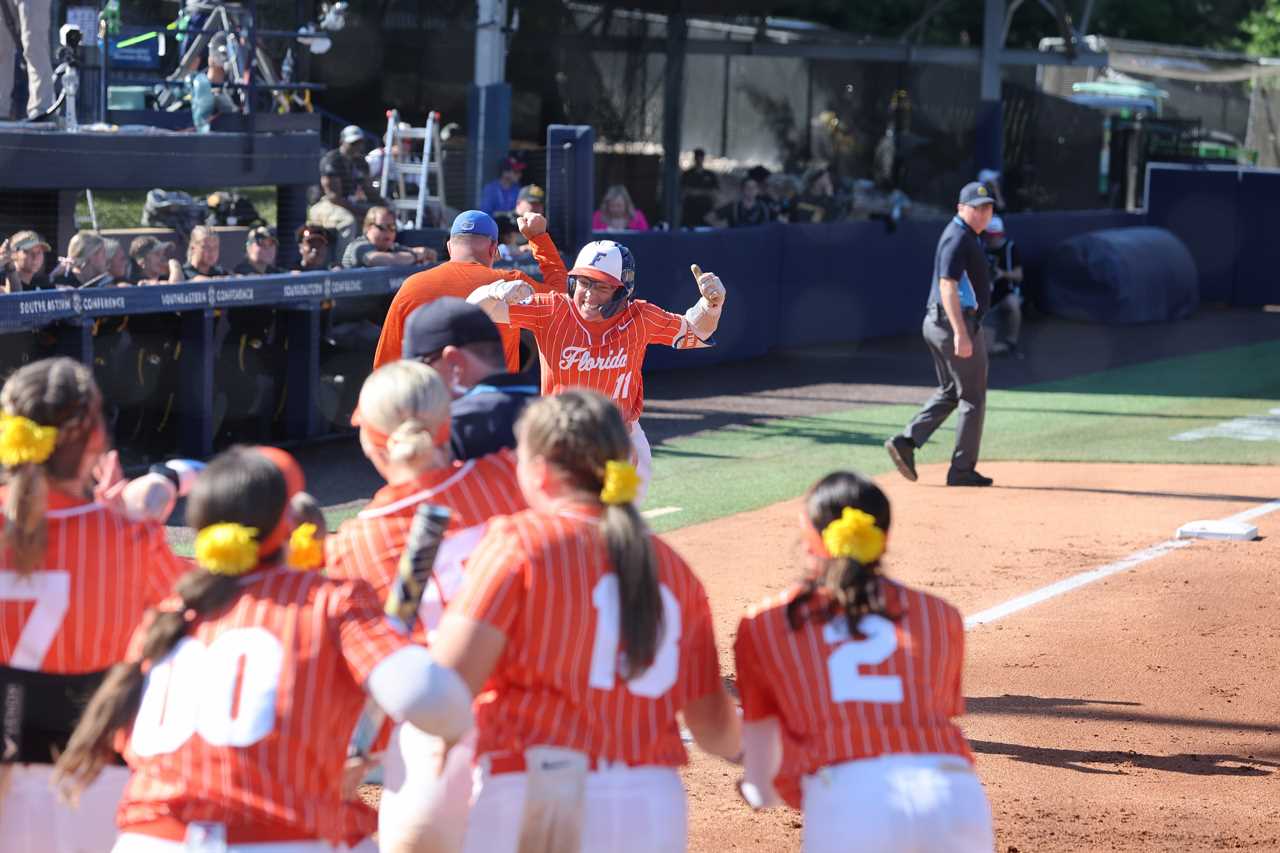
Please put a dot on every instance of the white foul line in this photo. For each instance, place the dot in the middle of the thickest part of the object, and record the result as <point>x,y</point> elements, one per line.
<point>992,614</point>
<point>660,511</point>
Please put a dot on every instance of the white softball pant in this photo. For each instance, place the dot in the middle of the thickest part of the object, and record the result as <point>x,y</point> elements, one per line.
<point>424,809</point>
<point>33,820</point>
<point>643,458</point>
<point>136,842</point>
<point>897,804</point>
<point>626,810</point>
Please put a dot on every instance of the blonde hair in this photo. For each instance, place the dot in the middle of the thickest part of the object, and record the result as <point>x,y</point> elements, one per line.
<point>83,246</point>
<point>409,402</point>
<point>618,191</point>
<point>199,235</point>
<point>55,392</point>
<point>576,433</point>
<point>372,214</point>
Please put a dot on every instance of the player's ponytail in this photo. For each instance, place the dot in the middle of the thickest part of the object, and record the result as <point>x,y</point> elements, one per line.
<point>219,502</point>
<point>848,518</point>
<point>581,434</point>
<point>404,411</point>
<point>48,411</point>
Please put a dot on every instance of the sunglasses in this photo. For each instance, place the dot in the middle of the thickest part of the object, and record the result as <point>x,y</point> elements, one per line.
<point>391,227</point>
<point>590,284</point>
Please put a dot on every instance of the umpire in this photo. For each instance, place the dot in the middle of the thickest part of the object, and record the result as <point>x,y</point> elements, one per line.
<point>959,295</point>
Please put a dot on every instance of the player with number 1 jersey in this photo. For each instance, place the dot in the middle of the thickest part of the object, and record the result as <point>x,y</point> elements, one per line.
<point>584,636</point>
<point>596,335</point>
<point>849,683</point>
<point>237,691</point>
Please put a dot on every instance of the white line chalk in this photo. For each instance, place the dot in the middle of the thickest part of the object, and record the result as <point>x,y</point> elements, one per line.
<point>993,614</point>
<point>661,511</point>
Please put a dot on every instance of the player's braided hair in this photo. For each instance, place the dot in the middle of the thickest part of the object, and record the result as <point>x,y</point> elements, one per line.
<point>241,486</point>
<point>848,586</point>
<point>577,432</point>
<point>55,392</point>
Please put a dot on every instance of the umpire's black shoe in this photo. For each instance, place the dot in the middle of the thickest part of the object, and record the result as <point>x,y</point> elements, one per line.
<point>967,478</point>
<point>903,454</point>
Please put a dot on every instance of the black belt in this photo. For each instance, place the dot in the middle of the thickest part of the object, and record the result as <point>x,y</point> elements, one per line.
<point>937,312</point>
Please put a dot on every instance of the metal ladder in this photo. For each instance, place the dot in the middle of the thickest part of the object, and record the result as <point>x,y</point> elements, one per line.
<point>413,198</point>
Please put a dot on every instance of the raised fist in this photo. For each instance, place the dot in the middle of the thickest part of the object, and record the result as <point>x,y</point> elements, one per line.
<point>510,292</point>
<point>709,285</point>
<point>532,225</point>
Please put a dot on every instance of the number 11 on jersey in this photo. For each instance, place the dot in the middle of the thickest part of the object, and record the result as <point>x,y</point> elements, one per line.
<point>622,386</point>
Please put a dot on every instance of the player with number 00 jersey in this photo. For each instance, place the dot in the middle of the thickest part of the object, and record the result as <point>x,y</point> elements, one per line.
<point>240,693</point>
<point>849,682</point>
<point>75,578</point>
<point>404,432</point>
<point>584,636</point>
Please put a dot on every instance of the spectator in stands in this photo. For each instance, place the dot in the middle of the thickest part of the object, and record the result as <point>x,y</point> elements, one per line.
<point>463,345</point>
<point>618,213</point>
<point>151,262</point>
<point>85,264</point>
<point>260,247</point>
<point>25,24</point>
<point>500,195</point>
<point>532,199</point>
<point>345,185</point>
<point>761,176</point>
<point>784,189</point>
<point>698,188</point>
<point>117,262</point>
<point>749,209</point>
<point>992,180</point>
<point>313,249</point>
<point>1005,316</point>
<point>203,249</point>
<point>22,263</point>
<point>378,246</point>
<point>818,201</point>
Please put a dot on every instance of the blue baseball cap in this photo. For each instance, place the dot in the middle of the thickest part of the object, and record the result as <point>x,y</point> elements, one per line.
<point>474,222</point>
<point>975,194</point>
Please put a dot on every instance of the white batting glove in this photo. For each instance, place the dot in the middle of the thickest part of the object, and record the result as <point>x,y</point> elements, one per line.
<point>510,292</point>
<point>709,285</point>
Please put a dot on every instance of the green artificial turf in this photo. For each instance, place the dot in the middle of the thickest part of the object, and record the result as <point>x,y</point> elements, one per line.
<point>1124,415</point>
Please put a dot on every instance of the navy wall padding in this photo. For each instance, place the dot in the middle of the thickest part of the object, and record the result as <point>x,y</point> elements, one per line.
<point>1121,276</point>
<point>1037,234</point>
<point>1258,253</point>
<point>748,261</point>
<point>1202,207</point>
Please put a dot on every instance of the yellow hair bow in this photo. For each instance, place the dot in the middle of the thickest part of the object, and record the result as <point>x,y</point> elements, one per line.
<point>227,549</point>
<point>305,552</point>
<point>621,483</point>
<point>854,536</point>
<point>23,440</point>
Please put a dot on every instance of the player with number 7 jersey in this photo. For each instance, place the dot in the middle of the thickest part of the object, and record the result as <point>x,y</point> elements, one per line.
<point>584,637</point>
<point>849,683</point>
<point>75,577</point>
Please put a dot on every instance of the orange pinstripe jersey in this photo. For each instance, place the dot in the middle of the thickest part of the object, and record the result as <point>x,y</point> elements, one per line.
<point>369,545</point>
<point>246,721</point>
<point>76,611</point>
<point>545,583</point>
<point>841,699</point>
<point>605,357</point>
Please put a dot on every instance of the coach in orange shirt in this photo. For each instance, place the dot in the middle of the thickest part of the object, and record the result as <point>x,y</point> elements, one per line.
<point>473,246</point>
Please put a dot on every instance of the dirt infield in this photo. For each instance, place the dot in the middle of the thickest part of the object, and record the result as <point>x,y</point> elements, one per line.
<point>1140,712</point>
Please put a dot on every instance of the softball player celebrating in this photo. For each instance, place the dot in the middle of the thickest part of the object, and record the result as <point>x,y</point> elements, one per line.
<point>587,635</point>
<point>596,335</point>
<point>859,677</point>
<point>404,431</point>
<point>75,577</point>
<point>237,691</point>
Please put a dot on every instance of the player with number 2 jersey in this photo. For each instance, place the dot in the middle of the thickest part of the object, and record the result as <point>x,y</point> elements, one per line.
<point>584,636</point>
<point>596,335</point>
<point>849,684</point>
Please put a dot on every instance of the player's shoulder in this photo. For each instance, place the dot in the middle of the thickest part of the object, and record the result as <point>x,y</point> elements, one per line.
<point>496,469</point>
<point>672,568</point>
<point>771,609</point>
<point>922,607</point>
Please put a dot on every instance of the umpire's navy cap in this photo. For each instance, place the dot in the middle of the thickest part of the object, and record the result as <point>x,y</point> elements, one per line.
<point>447,321</point>
<point>975,194</point>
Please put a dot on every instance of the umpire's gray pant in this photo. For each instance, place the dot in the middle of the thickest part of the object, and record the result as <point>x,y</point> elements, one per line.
<point>962,383</point>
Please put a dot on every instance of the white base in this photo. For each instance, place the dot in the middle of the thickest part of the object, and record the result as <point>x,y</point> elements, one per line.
<point>1218,529</point>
